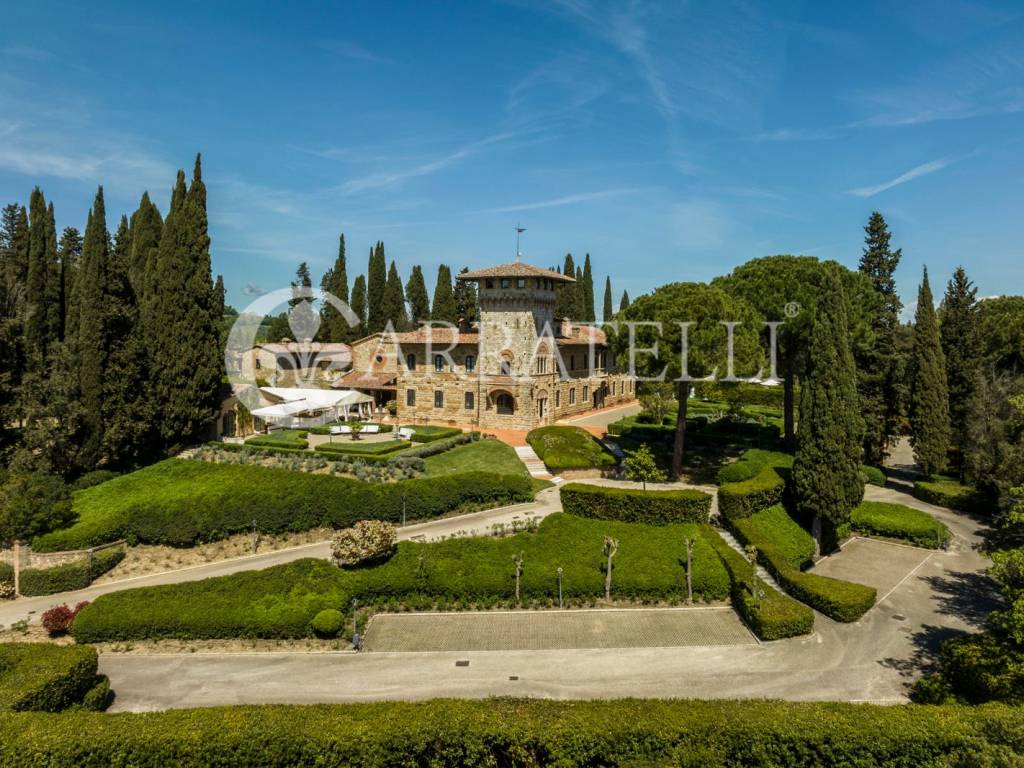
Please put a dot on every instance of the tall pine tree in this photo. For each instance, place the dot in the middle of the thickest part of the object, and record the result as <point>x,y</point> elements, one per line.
<point>91,342</point>
<point>607,311</point>
<point>416,292</point>
<point>878,374</point>
<point>929,394</point>
<point>394,301</point>
<point>961,346</point>
<point>376,282</point>
<point>444,309</point>
<point>826,468</point>
<point>358,305</point>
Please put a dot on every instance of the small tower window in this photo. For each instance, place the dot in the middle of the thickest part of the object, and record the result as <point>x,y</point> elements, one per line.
<point>470,363</point>
<point>410,361</point>
<point>439,363</point>
<point>521,282</point>
<point>506,368</point>
<point>505,282</point>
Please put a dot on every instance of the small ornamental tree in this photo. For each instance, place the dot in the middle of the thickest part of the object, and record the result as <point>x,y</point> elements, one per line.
<point>517,560</point>
<point>611,547</point>
<point>366,542</point>
<point>641,467</point>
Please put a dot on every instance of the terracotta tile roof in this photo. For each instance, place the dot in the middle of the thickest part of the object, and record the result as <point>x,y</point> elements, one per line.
<point>583,334</point>
<point>438,336</point>
<point>323,348</point>
<point>364,380</point>
<point>515,269</point>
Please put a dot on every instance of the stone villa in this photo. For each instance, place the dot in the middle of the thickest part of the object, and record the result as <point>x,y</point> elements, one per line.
<point>518,368</point>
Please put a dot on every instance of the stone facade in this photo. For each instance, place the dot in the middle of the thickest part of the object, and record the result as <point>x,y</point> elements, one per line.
<point>519,368</point>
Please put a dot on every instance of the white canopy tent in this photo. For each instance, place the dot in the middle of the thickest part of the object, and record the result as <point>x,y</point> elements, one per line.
<point>297,407</point>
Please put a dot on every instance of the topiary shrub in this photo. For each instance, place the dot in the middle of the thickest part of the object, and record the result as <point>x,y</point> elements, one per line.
<point>743,499</point>
<point>327,623</point>
<point>636,506</point>
<point>872,475</point>
<point>366,542</point>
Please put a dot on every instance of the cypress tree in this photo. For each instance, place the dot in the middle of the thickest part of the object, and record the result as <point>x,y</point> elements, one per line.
<point>416,292</point>
<point>878,371</point>
<point>43,324</point>
<point>961,346</point>
<point>607,311</point>
<point>376,282</point>
<point>465,300</point>
<point>127,407</point>
<point>334,326</point>
<point>69,251</point>
<point>444,309</point>
<point>359,306</point>
<point>624,302</point>
<point>579,300</point>
<point>566,301</point>
<point>14,247</point>
<point>826,468</point>
<point>929,396</point>
<point>145,227</point>
<point>394,301</point>
<point>588,291</point>
<point>92,331</point>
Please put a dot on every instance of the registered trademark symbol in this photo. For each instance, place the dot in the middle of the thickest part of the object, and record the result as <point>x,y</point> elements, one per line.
<point>792,309</point>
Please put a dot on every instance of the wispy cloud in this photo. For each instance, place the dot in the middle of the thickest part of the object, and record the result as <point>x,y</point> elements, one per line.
<point>251,289</point>
<point>566,200</point>
<point>793,134</point>
<point>350,49</point>
<point>914,173</point>
<point>26,53</point>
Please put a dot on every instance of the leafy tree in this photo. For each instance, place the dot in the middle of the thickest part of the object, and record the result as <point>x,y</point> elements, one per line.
<point>958,329</point>
<point>465,299</point>
<point>607,312</point>
<point>588,291</point>
<point>1001,322</point>
<point>416,292</point>
<point>640,466</point>
<point>658,400</point>
<point>31,505</point>
<point>444,308</point>
<point>704,308</point>
<point>394,301</point>
<point>994,446</point>
<point>376,284</point>
<point>359,305</point>
<point>92,339</point>
<point>826,468</point>
<point>929,395</point>
<point>878,365</point>
<point>624,302</point>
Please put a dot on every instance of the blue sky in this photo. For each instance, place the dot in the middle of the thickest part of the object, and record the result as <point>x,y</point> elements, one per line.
<point>671,141</point>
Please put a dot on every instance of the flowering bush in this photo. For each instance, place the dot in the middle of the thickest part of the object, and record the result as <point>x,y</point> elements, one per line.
<point>58,619</point>
<point>366,541</point>
<point>6,590</point>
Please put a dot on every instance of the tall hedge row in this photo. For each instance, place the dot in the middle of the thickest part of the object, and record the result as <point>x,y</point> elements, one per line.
<point>45,677</point>
<point>636,506</point>
<point>946,492</point>
<point>516,732</point>
<point>179,502</point>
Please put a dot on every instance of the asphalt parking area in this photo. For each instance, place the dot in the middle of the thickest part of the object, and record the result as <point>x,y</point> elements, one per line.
<point>879,564</point>
<point>554,630</point>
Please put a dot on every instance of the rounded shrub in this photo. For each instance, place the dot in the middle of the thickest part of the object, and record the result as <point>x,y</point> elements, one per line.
<point>327,623</point>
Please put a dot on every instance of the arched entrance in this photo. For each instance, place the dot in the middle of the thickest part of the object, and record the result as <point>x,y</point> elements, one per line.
<point>503,402</point>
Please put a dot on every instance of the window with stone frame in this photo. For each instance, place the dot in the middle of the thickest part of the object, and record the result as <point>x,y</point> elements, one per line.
<point>572,396</point>
<point>439,363</point>
<point>469,401</point>
<point>470,363</point>
<point>410,361</point>
<point>586,392</point>
<point>410,397</point>
<point>438,398</point>
<point>558,398</point>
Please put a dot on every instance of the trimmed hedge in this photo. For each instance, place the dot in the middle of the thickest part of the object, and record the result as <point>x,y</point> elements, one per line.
<point>428,434</point>
<point>280,602</point>
<point>750,464</point>
<point>562,448</point>
<point>379,448</point>
<point>952,494</point>
<point>45,677</point>
<point>636,506</point>
<point>875,518</point>
<point>775,616</point>
<point>840,600</point>
<point>873,475</point>
<point>743,499</point>
<point>70,576</point>
<point>290,439</point>
<point>180,502</point>
<point>325,429</point>
<point>775,525</point>
<point>523,732</point>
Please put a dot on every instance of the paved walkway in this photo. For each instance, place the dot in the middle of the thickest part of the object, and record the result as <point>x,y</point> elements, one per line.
<point>546,630</point>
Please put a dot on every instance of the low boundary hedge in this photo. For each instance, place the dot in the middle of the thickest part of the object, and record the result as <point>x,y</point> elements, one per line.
<point>380,448</point>
<point>840,600</point>
<point>325,429</point>
<point>738,500</point>
<point>428,434</point>
<point>946,492</point>
<point>774,616</point>
<point>181,502</point>
<point>70,576</point>
<point>636,506</point>
<point>45,677</point>
<point>523,732</point>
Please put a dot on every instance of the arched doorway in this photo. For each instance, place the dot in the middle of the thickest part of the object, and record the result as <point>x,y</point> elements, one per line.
<point>504,404</point>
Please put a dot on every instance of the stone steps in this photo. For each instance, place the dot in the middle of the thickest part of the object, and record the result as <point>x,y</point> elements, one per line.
<point>534,465</point>
<point>762,573</point>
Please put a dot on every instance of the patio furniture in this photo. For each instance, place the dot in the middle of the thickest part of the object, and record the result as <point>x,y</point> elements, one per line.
<point>405,433</point>
<point>371,429</point>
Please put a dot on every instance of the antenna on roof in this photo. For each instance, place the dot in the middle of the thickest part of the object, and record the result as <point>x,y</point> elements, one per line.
<point>519,231</point>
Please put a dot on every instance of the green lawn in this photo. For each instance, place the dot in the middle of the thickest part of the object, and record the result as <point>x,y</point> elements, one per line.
<point>281,601</point>
<point>479,456</point>
<point>563,448</point>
